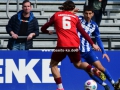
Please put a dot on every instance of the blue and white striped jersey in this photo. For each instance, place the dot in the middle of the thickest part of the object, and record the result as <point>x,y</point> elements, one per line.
<point>90,28</point>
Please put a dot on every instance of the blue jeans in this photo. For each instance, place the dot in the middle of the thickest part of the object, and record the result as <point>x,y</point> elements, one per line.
<point>18,46</point>
<point>97,16</point>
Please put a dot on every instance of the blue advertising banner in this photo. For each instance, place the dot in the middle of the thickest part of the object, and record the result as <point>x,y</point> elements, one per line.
<point>30,70</point>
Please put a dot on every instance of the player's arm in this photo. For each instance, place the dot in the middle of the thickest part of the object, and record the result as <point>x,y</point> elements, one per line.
<point>96,33</point>
<point>45,26</point>
<point>86,36</point>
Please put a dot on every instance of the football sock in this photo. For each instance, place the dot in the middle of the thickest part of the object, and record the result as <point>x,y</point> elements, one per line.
<point>59,83</point>
<point>108,76</point>
<point>104,84</point>
<point>89,68</point>
<point>60,86</point>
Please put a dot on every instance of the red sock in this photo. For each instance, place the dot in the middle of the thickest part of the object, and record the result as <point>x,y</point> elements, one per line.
<point>88,68</point>
<point>58,80</point>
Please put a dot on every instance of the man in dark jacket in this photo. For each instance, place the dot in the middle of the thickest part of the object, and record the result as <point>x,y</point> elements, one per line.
<point>99,9</point>
<point>22,24</point>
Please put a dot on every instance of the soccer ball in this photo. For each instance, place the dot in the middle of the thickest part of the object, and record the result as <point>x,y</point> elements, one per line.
<point>90,85</point>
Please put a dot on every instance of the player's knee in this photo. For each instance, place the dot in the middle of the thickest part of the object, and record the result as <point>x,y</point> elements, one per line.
<point>53,63</point>
<point>77,64</point>
<point>101,68</point>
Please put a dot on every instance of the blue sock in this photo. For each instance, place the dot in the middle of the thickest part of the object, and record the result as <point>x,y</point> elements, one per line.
<point>108,76</point>
<point>98,80</point>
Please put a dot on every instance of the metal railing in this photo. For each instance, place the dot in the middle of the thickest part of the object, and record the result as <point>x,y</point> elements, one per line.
<point>7,7</point>
<point>7,10</point>
<point>46,37</point>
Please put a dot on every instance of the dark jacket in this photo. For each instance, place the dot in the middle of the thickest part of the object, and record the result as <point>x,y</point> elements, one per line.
<point>14,25</point>
<point>104,3</point>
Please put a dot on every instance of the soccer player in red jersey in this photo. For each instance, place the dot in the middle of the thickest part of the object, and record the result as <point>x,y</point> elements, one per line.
<point>65,23</point>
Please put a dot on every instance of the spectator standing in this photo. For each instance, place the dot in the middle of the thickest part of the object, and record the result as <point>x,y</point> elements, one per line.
<point>22,24</point>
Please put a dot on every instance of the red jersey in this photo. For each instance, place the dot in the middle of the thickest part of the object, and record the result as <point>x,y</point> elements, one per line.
<point>66,24</point>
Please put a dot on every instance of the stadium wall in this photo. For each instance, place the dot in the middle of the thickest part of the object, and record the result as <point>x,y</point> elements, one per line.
<point>29,70</point>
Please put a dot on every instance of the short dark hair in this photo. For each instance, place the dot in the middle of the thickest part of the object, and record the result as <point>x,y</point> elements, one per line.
<point>67,5</point>
<point>88,8</point>
<point>25,2</point>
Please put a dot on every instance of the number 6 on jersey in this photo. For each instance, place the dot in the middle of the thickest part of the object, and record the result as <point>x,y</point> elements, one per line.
<point>66,24</point>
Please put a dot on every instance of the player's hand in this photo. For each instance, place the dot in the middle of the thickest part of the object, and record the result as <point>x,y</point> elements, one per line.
<point>15,36</point>
<point>75,10</point>
<point>50,32</point>
<point>107,57</point>
<point>30,36</point>
<point>96,47</point>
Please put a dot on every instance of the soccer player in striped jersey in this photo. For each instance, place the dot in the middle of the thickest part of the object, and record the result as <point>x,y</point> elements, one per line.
<point>65,23</point>
<point>87,53</point>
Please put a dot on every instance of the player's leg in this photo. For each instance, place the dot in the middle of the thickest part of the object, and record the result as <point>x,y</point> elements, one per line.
<point>88,68</point>
<point>54,68</point>
<point>93,59</point>
<point>117,85</point>
<point>90,57</point>
<point>99,66</point>
<point>75,59</point>
<point>56,74</point>
<point>55,59</point>
<point>84,58</point>
<point>83,65</point>
<point>98,80</point>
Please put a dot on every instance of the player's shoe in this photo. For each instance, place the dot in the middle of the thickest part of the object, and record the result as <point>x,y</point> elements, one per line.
<point>60,89</point>
<point>117,85</point>
<point>98,73</point>
<point>107,87</point>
